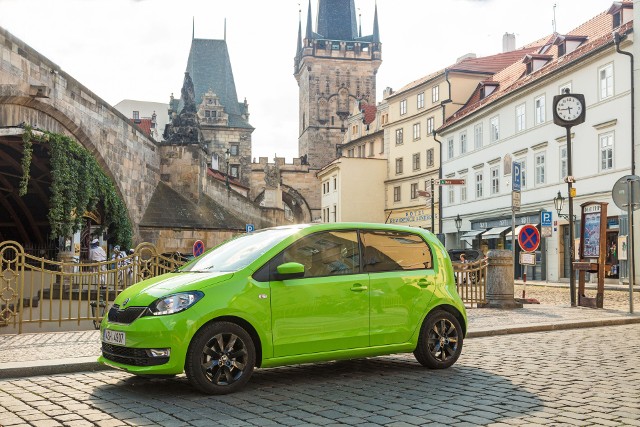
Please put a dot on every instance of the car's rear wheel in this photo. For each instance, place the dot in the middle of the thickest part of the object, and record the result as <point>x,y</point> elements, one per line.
<point>220,359</point>
<point>440,341</point>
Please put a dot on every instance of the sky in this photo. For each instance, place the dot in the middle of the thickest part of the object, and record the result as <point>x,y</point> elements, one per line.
<point>138,49</point>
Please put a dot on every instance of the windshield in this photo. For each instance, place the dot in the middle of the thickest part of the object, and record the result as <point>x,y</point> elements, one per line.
<point>236,254</point>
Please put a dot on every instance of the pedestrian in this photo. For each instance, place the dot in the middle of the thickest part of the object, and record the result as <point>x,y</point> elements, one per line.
<point>97,254</point>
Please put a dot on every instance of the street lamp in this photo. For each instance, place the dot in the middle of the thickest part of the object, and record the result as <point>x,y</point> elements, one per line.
<point>458,222</point>
<point>558,202</point>
<point>227,155</point>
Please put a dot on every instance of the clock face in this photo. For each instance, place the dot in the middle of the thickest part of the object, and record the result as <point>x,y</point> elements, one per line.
<point>569,108</point>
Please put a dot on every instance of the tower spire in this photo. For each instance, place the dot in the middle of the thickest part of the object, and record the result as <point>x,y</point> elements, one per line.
<point>225,29</point>
<point>193,27</point>
<point>376,30</point>
<point>309,34</point>
<point>299,44</point>
<point>360,23</point>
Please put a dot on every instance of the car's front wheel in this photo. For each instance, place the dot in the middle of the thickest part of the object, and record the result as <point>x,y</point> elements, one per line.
<point>440,341</point>
<point>221,358</point>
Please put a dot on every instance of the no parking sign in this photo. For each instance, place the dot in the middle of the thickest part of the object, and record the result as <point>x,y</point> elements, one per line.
<point>198,248</point>
<point>529,238</point>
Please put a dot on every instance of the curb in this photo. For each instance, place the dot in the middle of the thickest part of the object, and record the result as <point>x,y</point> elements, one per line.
<point>546,327</point>
<point>90,364</point>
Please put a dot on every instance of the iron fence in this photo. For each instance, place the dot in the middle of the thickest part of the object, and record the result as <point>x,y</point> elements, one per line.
<point>471,281</point>
<point>35,290</point>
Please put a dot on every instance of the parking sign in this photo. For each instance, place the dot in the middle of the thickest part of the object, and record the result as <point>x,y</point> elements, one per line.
<point>515,177</point>
<point>546,218</point>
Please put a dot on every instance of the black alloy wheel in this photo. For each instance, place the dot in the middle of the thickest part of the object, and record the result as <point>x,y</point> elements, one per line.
<point>221,358</point>
<point>440,341</point>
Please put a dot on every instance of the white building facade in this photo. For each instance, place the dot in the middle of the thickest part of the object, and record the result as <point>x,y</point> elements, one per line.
<point>510,120</point>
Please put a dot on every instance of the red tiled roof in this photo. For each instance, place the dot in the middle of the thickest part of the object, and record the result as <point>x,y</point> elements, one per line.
<point>144,124</point>
<point>599,33</point>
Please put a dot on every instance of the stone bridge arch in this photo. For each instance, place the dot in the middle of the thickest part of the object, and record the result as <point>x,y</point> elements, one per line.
<point>36,91</point>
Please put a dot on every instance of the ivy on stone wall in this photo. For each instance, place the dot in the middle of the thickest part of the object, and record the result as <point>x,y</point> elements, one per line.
<point>78,184</point>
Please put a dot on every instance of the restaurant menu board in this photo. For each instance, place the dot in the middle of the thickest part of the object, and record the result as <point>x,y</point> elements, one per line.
<point>591,248</point>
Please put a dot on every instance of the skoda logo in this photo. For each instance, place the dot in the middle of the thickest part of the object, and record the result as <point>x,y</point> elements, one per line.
<point>125,302</point>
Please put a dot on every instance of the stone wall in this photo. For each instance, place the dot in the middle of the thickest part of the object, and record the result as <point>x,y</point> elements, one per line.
<point>35,90</point>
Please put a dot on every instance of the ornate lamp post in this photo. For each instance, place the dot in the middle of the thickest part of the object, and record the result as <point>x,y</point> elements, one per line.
<point>458,222</point>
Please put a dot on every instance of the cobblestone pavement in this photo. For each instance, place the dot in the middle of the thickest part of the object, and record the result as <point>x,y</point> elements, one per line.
<point>559,295</point>
<point>587,376</point>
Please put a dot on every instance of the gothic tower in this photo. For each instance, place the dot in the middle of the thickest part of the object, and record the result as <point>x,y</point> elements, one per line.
<point>336,69</point>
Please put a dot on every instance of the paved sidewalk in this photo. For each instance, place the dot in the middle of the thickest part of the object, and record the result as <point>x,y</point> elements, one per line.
<point>63,352</point>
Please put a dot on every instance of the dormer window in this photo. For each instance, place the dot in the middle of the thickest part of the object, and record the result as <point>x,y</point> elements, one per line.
<point>487,89</point>
<point>535,62</point>
<point>621,13</point>
<point>567,44</point>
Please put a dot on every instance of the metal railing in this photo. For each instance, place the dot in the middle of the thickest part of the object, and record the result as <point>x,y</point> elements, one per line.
<point>37,290</point>
<point>471,281</point>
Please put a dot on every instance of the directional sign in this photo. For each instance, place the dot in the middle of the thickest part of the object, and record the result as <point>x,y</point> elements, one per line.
<point>529,238</point>
<point>198,248</point>
<point>515,201</point>
<point>451,181</point>
<point>515,177</point>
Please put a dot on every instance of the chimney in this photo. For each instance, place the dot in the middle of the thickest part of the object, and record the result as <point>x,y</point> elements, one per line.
<point>508,42</point>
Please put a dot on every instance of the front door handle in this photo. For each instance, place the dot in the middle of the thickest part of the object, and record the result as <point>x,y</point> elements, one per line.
<point>358,288</point>
<point>424,283</point>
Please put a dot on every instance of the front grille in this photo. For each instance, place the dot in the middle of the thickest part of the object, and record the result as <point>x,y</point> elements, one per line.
<point>126,316</point>
<point>131,356</point>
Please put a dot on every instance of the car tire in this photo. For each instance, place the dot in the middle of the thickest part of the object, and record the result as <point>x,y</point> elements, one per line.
<point>220,359</point>
<point>440,341</point>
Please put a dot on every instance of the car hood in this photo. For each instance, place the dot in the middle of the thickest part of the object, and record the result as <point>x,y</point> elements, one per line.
<point>144,293</point>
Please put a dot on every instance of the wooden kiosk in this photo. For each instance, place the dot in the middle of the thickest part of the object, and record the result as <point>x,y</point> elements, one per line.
<point>593,226</point>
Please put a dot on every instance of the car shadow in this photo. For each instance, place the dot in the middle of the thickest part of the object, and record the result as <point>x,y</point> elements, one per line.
<point>363,388</point>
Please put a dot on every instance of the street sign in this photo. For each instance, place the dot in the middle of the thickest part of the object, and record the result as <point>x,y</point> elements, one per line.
<point>527,258</point>
<point>515,177</point>
<point>626,192</point>
<point>198,248</point>
<point>529,238</point>
<point>515,201</point>
<point>249,228</point>
<point>451,182</point>
<point>546,218</point>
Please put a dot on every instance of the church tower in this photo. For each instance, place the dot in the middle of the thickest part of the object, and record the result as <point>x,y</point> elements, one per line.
<point>335,67</point>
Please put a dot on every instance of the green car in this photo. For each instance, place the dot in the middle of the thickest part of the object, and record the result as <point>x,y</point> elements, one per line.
<point>288,295</point>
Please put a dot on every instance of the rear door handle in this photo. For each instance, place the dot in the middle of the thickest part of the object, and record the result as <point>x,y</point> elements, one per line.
<point>424,283</point>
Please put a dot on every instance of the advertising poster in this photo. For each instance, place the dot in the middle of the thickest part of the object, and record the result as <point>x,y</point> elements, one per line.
<point>622,248</point>
<point>591,233</point>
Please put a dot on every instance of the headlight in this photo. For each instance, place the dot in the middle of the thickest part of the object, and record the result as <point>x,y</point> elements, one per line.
<point>175,303</point>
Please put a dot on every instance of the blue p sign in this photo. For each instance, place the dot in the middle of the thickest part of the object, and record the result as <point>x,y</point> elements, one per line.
<point>249,228</point>
<point>546,218</point>
<point>515,177</point>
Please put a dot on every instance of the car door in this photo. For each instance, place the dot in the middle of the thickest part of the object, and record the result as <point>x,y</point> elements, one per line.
<point>402,282</point>
<point>327,309</point>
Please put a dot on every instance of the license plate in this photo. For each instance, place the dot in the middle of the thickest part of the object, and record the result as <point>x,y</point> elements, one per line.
<point>114,337</point>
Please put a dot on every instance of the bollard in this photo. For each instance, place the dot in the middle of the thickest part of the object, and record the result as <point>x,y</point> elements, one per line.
<point>500,280</point>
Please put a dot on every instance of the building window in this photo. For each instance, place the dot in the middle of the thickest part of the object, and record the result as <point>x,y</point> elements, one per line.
<point>350,152</point>
<point>396,194</point>
<point>354,130</point>
<point>540,109</point>
<point>421,100</point>
<point>416,131</point>
<point>540,169</point>
<point>325,187</point>
<point>463,142</point>
<point>451,194</point>
<point>416,162</point>
<point>495,129</point>
<point>399,133</point>
<point>606,81</point>
<point>335,213</point>
<point>335,183</point>
<point>479,185</point>
<point>430,157</point>
<point>234,171</point>
<point>606,151</point>
<point>382,147</point>
<point>564,169</point>
<point>136,115</point>
<point>429,126</point>
<point>414,191</point>
<point>398,165</point>
<point>234,149</point>
<point>403,107</point>
<point>523,173</point>
<point>371,149</point>
<point>477,136</point>
<point>495,180</point>
<point>463,190</point>
<point>435,94</point>
<point>520,118</point>
<point>450,148</point>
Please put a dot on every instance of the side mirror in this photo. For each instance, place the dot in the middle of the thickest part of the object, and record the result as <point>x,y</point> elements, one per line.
<point>289,270</point>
